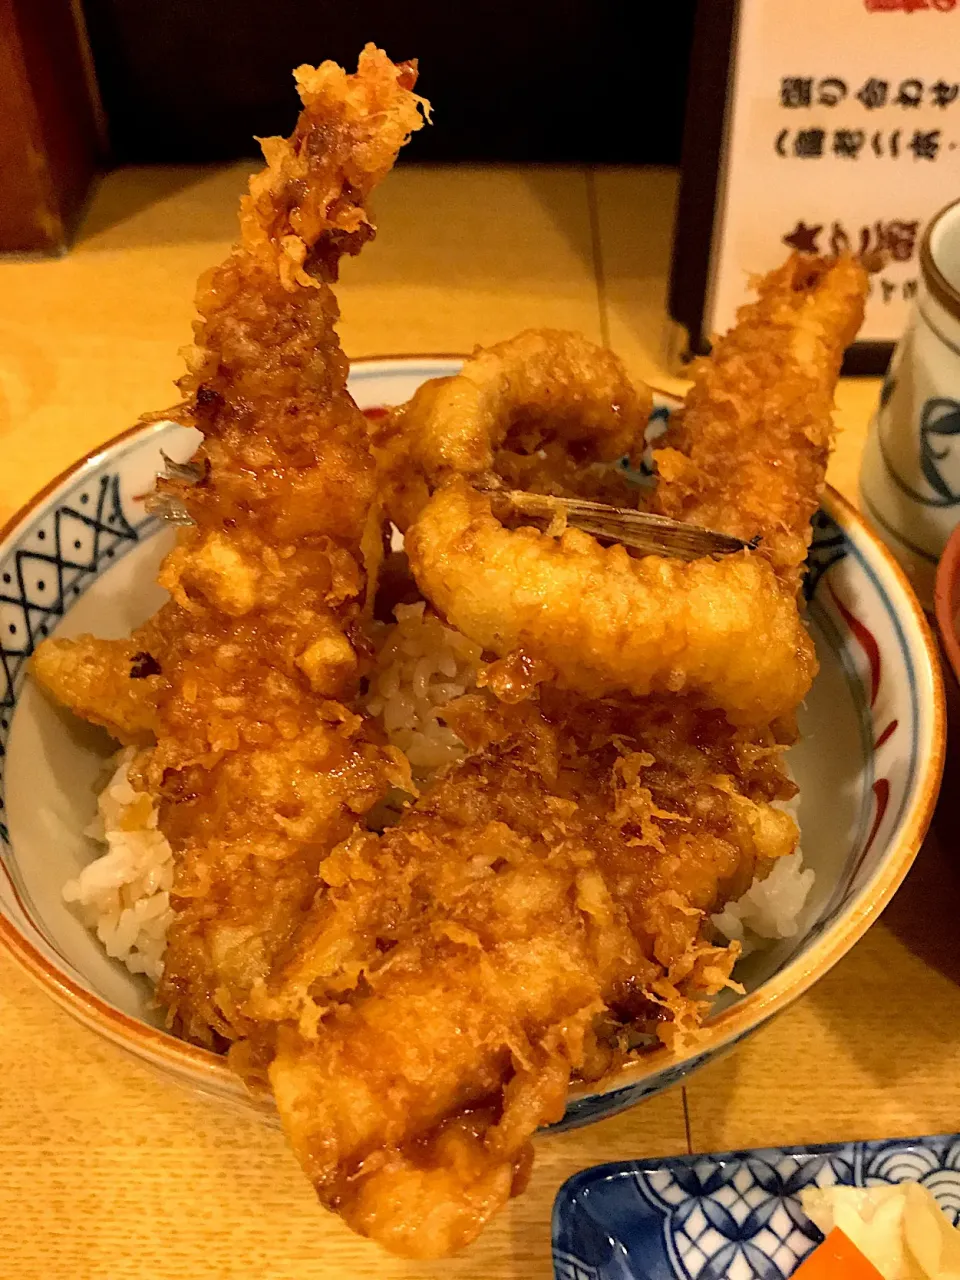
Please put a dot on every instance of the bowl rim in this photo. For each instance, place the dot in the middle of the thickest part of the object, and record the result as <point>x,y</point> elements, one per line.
<point>210,1071</point>
<point>936,281</point>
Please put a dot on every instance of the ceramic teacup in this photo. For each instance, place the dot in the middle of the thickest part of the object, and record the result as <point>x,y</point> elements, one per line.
<point>910,475</point>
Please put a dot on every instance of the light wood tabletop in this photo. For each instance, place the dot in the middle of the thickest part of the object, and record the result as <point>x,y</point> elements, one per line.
<point>108,1171</point>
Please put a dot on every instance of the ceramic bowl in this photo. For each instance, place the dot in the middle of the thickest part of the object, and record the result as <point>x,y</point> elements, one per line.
<point>82,557</point>
<point>910,470</point>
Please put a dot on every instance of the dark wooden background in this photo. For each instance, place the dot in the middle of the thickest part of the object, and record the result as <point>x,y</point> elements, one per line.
<point>512,80</point>
<point>87,84</point>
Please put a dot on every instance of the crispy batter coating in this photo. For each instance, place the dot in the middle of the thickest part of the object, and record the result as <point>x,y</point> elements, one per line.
<point>534,409</point>
<point>258,769</point>
<point>748,453</point>
<point>420,1000</point>
<point>113,683</point>
<point>307,207</point>
<point>748,457</point>
<point>604,621</point>
<point>250,834</point>
<point>541,903</point>
<point>267,585</point>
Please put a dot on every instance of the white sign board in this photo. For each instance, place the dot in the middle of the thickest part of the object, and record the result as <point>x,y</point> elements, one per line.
<point>842,133</point>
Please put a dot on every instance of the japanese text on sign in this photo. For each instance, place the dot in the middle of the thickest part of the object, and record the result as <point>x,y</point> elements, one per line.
<point>812,143</point>
<point>843,135</point>
<point>874,93</point>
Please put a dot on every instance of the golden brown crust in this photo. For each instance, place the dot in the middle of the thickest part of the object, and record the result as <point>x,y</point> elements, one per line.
<point>420,1000</point>
<point>258,769</point>
<point>542,904</point>
<point>538,407</point>
<point>113,683</point>
<point>606,622</point>
<point>748,453</point>
<point>308,206</point>
<point>746,456</point>
<point>268,584</point>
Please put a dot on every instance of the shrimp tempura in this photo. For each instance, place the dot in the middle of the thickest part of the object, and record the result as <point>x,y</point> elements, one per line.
<point>259,767</point>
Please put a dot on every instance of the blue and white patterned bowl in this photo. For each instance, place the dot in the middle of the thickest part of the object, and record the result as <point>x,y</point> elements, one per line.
<point>82,557</point>
<point>730,1216</point>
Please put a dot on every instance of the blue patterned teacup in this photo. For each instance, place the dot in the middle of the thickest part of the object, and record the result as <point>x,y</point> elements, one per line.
<point>910,475</point>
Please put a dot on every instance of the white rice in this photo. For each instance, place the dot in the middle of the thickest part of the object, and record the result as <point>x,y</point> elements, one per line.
<point>422,665</point>
<point>124,895</point>
<point>772,908</point>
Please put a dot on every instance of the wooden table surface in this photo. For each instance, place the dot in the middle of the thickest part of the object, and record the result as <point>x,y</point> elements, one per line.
<point>108,1171</point>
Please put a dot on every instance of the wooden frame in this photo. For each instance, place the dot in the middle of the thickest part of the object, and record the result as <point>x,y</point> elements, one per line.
<point>51,132</point>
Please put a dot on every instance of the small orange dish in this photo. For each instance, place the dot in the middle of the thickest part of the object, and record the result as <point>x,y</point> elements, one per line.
<point>946,600</point>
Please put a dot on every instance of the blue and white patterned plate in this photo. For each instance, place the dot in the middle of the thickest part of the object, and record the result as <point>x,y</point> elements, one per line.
<point>734,1216</point>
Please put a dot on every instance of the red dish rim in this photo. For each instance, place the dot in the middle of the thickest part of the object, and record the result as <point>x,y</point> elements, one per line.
<point>946,599</point>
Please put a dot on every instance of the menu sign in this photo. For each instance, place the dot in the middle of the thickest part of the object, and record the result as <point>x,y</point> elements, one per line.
<point>837,129</point>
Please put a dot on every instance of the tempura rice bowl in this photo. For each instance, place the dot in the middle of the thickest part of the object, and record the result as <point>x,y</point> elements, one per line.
<point>82,557</point>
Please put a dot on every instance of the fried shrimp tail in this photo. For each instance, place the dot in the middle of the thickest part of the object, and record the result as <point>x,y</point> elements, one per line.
<point>748,452</point>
